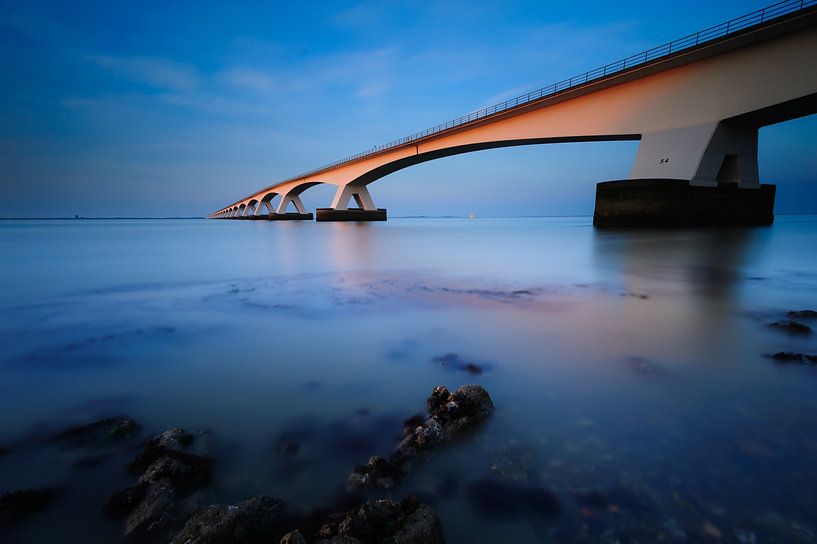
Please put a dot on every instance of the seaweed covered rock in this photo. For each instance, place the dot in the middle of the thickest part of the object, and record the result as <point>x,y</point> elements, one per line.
<point>450,415</point>
<point>170,466</point>
<point>407,522</point>
<point>253,521</point>
<point>15,506</point>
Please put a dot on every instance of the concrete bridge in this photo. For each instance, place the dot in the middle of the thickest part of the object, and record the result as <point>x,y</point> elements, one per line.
<point>695,104</point>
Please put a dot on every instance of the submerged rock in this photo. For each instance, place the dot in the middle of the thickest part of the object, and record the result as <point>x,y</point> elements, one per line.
<point>513,463</point>
<point>794,357</point>
<point>803,314</point>
<point>15,506</point>
<point>99,433</point>
<point>454,362</point>
<point>502,500</point>
<point>449,415</point>
<point>791,327</point>
<point>643,367</point>
<point>253,521</point>
<point>170,466</point>
<point>407,522</point>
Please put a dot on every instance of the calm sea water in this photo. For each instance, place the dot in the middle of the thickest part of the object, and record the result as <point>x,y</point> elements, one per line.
<point>627,367</point>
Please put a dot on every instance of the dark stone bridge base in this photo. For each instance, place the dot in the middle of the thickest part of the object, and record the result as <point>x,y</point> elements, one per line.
<point>352,214</point>
<point>675,203</point>
<point>280,217</point>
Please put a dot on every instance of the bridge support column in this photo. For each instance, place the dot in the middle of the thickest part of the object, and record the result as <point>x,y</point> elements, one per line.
<point>706,155</point>
<point>340,211</point>
<point>300,213</point>
<point>703,175</point>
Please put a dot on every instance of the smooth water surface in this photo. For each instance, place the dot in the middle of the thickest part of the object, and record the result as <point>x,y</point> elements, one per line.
<point>627,367</point>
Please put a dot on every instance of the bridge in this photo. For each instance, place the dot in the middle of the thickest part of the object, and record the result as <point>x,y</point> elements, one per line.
<point>695,104</point>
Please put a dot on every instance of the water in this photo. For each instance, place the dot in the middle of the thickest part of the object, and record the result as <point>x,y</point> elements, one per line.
<point>627,366</point>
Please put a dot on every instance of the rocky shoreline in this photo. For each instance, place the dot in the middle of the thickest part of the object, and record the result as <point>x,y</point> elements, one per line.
<point>165,503</point>
<point>169,497</point>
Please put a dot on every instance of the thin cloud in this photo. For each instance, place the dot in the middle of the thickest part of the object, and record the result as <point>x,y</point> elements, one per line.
<point>248,79</point>
<point>156,72</point>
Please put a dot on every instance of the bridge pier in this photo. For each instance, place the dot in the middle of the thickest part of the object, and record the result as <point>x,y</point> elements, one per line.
<point>677,203</point>
<point>291,216</point>
<point>350,214</point>
<point>703,175</point>
<point>340,210</point>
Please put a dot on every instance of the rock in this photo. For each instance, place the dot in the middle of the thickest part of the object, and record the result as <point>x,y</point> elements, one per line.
<point>123,502</point>
<point>176,443</point>
<point>339,540</point>
<point>422,526</point>
<point>100,433</point>
<point>251,521</point>
<point>711,531</point>
<point>643,367</point>
<point>450,415</point>
<point>154,514</point>
<point>412,423</point>
<point>15,506</point>
<point>791,327</point>
<point>786,356</point>
<point>453,361</point>
<point>745,537</point>
<point>439,396</point>
<point>170,466</point>
<point>185,473</point>
<point>407,522</point>
<point>802,314</point>
<point>295,537</point>
<point>472,368</point>
<point>513,463</point>
<point>793,357</point>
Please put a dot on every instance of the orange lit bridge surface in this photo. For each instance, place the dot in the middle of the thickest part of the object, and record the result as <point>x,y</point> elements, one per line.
<point>695,104</point>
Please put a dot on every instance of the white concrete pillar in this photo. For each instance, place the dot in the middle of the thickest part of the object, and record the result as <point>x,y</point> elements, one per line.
<point>359,193</point>
<point>703,154</point>
<point>296,201</point>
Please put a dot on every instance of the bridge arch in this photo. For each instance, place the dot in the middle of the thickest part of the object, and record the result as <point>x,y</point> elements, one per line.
<point>291,193</point>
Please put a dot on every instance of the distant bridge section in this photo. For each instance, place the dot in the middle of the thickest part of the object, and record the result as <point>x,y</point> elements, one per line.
<point>695,104</point>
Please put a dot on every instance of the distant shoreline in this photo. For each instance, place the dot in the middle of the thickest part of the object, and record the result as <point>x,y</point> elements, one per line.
<point>395,217</point>
<point>91,218</point>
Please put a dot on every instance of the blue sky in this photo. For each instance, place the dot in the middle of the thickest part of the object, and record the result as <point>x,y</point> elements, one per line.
<point>177,108</point>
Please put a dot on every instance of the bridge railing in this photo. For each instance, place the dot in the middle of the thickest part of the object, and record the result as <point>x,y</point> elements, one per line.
<point>716,32</point>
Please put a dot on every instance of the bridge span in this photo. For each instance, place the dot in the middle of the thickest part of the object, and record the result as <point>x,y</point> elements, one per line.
<point>695,104</point>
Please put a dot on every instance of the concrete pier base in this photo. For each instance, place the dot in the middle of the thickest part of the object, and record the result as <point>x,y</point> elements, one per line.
<point>351,214</point>
<point>675,203</point>
<point>282,217</point>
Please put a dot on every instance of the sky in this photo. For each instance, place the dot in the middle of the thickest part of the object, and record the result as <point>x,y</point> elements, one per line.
<point>133,109</point>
